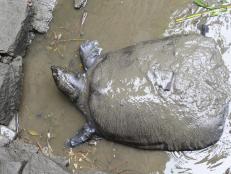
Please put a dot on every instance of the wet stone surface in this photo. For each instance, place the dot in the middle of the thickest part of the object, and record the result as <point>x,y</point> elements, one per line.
<point>10,89</point>
<point>80,3</point>
<point>19,157</point>
<point>16,16</point>
<point>42,14</point>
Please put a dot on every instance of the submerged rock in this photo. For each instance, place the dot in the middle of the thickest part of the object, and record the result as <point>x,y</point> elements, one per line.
<point>80,3</point>
<point>42,14</point>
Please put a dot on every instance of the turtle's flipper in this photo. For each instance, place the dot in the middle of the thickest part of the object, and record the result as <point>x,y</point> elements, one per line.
<point>83,135</point>
<point>89,53</point>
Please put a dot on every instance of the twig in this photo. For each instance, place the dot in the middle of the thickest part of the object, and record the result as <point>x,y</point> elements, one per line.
<point>39,146</point>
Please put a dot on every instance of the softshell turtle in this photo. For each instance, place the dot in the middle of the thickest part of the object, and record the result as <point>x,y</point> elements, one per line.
<point>169,94</point>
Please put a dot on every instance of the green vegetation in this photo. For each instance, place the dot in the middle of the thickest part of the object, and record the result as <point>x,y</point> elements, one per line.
<point>212,10</point>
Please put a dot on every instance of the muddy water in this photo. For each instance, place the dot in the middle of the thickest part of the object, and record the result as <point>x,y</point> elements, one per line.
<point>115,24</point>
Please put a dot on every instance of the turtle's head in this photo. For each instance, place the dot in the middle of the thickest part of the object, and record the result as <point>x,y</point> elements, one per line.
<point>71,84</point>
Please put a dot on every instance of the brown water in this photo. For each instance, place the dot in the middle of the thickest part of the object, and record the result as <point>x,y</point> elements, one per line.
<point>115,24</point>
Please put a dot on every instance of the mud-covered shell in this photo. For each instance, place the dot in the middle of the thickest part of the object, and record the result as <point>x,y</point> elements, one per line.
<point>168,94</point>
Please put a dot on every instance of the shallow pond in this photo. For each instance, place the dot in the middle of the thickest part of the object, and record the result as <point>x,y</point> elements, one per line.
<point>115,24</point>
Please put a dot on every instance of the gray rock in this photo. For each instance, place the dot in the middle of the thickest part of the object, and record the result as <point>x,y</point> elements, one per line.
<point>13,125</point>
<point>15,19</point>
<point>80,3</point>
<point>25,158</point>
<point>8,133</point>
<point>40,164</point>
<point>6,59</point>
<point>10,90</point>
<point>7,167</point>
<point>4,141</point>
<point>4,154</point>
<point>42,14</point>
<point>20,151</point>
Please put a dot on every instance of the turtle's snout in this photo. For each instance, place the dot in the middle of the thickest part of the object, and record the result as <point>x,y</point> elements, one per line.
<point>55,70</point>
<point>58,74</point>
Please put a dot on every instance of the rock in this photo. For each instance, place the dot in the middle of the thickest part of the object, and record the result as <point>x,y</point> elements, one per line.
<point>4,141</point>
<point>41,164</point>
<point>6,59</point>
<point>22,158</point>
<point>80,3</point>
<point>16,16</point>
<point>19,157</point>
<point>10,90</point>
<point>8,133</point>
<point>42,14</point>
<point>4,155</point>
<point>13,125</point>
<point>10,167</point>
<point>20,151</point>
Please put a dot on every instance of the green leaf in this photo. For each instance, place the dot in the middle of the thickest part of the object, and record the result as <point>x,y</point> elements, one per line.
<point>203,4</point>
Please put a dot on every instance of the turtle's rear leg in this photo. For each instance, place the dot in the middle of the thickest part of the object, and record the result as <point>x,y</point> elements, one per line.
<point>89,51</point>
<point>83,135</point>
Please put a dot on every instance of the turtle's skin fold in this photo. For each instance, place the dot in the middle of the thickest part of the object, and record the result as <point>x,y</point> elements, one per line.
<point>169,94</point>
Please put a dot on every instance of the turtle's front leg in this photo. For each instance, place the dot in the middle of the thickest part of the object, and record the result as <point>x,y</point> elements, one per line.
<point>90,52</point>
<point>83,135</point>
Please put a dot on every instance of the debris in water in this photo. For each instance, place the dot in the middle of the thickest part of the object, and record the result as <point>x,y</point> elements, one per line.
<point>92,143</point>
<point>84,16</point>
<point>48,135</point>
<point>80,159</point>
<point>33,133</point>
<point>39,146</point>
